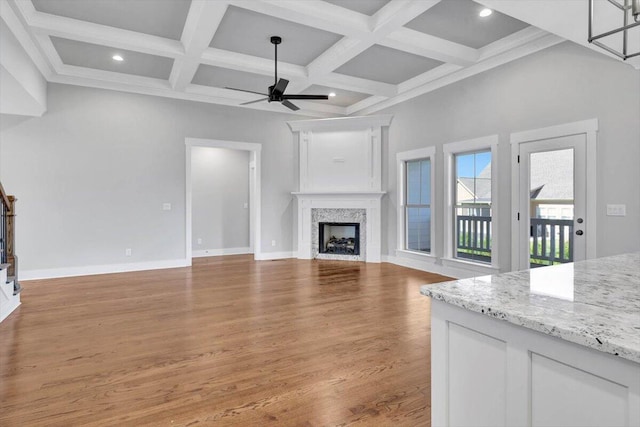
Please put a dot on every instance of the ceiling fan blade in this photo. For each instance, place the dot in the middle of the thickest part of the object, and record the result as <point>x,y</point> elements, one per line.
<point>249,91</point>
<point>280,87</point>
<point>305,96</point>
<point>253,102</point>
<point>290,105</point>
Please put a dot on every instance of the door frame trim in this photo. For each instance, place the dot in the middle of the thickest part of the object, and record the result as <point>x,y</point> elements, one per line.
<point>255,185</point>
<point>590,129</point>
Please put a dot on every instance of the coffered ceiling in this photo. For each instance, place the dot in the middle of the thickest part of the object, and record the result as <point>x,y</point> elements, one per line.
<point>371,53</point>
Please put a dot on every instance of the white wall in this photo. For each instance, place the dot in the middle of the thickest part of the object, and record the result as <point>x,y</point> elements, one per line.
<point>91,175</point>
<point>562,84</point>
<point>220,189</point>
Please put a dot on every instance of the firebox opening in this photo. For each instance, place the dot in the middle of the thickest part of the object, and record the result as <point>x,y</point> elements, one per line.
<point>340,238</point>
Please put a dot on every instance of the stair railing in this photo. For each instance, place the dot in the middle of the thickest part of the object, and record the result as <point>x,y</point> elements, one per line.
<point>7,236</point>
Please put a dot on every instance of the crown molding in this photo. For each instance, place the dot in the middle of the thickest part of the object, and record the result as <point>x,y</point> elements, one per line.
<point>341,123</point>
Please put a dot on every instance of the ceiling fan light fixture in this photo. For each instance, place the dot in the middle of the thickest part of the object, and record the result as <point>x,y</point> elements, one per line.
<point>485,12</point>
<point>276,92</point>
<point>117,58</point>
<point>332,94</point>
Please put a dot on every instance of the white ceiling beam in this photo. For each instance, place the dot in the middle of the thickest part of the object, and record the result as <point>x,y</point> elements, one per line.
<point>540,43</point>
<point>201,24</point>
<point>367,102</point>
<point>422,44</point>
<point>390,18</point>
<point>88,32</point>
<point>296,73</point>
<point>163,89</point>
<point>312,13</point>
<point>11,18</point>
<point>112,77</point>
<point>49,50</point>
<point>510,42</point>
<point>251,64</point>
<point>397,13</point>
<point>356,84</point>
<point>426,77</point>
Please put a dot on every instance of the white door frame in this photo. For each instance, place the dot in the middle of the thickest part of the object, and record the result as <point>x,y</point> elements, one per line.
<point>589,128</point>
<point>254,189</point>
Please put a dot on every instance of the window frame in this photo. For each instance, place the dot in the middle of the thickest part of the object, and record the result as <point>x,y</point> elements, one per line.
<point>427,153</point>
<point>487,143</point>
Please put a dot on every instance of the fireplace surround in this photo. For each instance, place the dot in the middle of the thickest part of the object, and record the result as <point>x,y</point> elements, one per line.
<point>340,181</point>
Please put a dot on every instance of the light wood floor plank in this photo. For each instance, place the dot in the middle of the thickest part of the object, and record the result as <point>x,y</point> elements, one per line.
<point>229,341</point>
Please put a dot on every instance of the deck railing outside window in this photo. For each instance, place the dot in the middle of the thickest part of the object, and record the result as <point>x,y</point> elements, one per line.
<point>550,240</point>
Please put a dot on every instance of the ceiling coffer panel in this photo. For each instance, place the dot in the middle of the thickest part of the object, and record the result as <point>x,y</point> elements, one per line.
<point>366,7</point>
<point>157,18</point>
<point>396,67</point>
<point>100,57</point>
<point>459,21</point>
<point>300,44</point>
<point>208,75</point>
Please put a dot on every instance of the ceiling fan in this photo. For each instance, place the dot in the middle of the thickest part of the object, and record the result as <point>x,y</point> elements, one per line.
<point>276,92</point>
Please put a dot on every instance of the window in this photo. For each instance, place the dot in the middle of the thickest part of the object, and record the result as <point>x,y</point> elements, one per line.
<point>415,210</point>
<point>473,206</point>
<point>418,205</point>
<point>470,222</point>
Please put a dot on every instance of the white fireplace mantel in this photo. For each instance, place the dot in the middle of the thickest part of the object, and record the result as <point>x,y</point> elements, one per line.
<point>340,167</point>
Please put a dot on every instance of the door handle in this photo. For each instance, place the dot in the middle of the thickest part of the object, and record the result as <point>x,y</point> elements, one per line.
<point>579,232</point>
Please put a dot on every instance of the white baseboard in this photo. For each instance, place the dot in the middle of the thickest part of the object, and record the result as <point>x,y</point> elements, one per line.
<point>219,252</point>
<point>266,256</point>
<point>429,266</point>
<point>101,269</point>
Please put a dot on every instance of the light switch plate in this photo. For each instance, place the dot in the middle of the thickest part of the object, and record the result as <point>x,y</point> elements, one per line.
<point>616,210</point>
<point>166,206</point>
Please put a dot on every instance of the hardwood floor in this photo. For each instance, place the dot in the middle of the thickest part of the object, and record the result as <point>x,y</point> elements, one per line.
<point>229,341</point>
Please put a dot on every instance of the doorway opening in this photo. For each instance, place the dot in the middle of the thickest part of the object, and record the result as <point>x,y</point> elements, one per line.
<point>553,195</point>
<point>233,153</point>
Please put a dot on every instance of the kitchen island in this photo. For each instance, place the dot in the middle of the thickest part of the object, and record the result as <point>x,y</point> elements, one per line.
<point>550,346</point>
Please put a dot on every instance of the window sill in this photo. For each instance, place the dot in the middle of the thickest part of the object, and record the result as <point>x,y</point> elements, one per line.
<point>471,266</point>
<point>418,256</point>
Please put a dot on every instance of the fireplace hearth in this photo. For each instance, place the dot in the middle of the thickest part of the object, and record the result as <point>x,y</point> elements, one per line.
<point>339,238</point>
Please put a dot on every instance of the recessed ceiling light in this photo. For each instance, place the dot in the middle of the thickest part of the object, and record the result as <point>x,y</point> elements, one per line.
<point>332,94</point>
<point>117,58</point>
<point>485,12</point>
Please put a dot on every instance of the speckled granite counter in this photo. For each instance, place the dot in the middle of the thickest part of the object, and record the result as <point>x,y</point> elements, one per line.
<point>594,303</point>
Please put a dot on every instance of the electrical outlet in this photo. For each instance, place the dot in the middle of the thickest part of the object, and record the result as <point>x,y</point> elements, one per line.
<point>273,243</point>
<point>199,241</point>
<point>127,252</point>
<point>166,206</point>
<point>246,205</point>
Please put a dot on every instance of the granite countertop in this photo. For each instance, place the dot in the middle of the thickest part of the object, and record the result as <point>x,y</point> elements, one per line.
<point>595,303</point>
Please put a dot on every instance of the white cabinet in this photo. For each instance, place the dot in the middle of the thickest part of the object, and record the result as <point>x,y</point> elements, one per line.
<point>488,372</point>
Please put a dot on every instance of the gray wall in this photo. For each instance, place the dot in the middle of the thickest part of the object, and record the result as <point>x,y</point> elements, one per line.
<point>558,85</point>
<point>92,174</point>
<point>220,188</point>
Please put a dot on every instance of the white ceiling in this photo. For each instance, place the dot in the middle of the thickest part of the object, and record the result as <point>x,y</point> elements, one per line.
<point>371,53</point>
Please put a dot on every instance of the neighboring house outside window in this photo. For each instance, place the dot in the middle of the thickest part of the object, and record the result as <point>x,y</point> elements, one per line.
<point>471,204</point>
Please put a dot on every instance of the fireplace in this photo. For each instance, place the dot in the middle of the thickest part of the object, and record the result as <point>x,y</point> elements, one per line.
<point>339,238</point>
